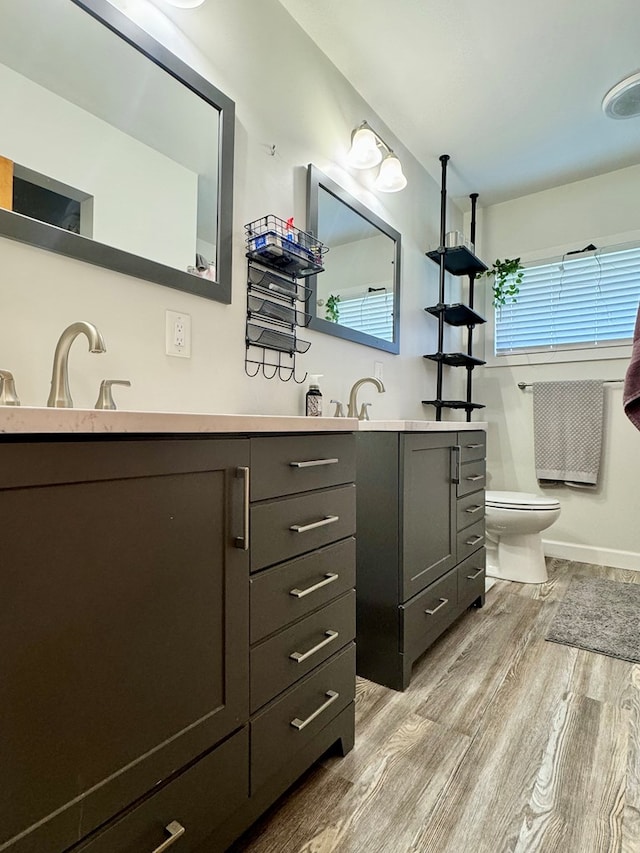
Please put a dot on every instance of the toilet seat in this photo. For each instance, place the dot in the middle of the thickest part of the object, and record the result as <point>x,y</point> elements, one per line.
<point>522,501</point>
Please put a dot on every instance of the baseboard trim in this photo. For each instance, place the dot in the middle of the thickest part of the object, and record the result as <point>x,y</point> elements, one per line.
<point>590,554</point>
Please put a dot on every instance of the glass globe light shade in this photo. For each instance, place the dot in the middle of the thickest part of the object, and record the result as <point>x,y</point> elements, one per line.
<point>390,178</point>
<point>364,152</point>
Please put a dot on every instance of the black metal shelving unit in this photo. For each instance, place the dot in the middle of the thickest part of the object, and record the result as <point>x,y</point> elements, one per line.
<point>458,261</point>
<point>280,258</point>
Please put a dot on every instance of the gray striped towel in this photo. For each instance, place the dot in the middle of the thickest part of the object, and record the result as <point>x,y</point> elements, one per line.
<point>567,431</point>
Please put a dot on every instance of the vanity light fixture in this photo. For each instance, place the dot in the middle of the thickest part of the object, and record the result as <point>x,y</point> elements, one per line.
<point>623,100</point>
<point>368,149</point>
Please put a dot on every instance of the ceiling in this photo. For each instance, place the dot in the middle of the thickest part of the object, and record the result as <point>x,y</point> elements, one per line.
<point>511,90</point>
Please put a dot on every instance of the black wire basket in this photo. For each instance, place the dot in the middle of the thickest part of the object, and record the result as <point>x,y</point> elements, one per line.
<point>279,244</point>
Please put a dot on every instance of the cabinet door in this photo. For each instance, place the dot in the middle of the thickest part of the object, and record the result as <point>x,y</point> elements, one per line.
<point>123,624</point>
<point>428,509</point>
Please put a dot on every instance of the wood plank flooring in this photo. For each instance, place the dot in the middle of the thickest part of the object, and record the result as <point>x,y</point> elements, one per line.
<point>503,743</point>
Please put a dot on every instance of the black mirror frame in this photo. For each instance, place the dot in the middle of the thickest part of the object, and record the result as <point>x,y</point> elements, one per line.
<point>26,230</point>
<point>315,180</point>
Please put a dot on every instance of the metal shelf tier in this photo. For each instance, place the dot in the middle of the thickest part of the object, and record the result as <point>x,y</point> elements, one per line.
<point>455,359</point>
<point>458,260</point>
<point>456,314</point>
<point>453,404</point>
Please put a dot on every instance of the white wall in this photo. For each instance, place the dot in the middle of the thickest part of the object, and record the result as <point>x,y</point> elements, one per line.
<point>599,526</point>
<point>144,202</point>
<point>287,94</point>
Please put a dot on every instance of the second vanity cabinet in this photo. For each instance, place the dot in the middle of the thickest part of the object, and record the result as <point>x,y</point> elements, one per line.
<point>177,626</point>
<point>420,554</point>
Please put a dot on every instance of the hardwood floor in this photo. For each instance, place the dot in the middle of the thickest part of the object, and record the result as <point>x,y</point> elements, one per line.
<point>504,743</point>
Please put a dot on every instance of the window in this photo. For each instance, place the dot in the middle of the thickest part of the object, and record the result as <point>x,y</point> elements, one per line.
<point>376,320</point>
<point>577,302</point>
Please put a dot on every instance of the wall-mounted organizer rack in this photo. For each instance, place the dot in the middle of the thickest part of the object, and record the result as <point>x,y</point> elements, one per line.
<point>458,260</point>
<point>280,257</point>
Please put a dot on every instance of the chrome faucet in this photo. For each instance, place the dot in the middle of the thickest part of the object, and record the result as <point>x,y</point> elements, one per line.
<point>60,396</point>
<point>352,411</point>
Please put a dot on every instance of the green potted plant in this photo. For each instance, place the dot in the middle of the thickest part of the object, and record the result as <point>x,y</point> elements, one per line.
<point>507,278</point>
<point>332,309</point>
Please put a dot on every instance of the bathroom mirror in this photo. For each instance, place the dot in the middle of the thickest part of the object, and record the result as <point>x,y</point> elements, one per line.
<point>112,150</point>
<point>357,297</point>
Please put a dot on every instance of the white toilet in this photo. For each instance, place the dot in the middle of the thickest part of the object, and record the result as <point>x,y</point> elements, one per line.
<point>514,522</point>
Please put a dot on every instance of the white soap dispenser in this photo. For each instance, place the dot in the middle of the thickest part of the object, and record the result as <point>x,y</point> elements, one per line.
<point>313,397</point>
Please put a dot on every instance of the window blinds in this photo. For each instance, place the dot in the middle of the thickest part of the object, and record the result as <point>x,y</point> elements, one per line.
<point>372,314</point>
<point>573,303</point>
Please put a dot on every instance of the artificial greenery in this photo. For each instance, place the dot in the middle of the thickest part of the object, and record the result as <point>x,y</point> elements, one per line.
<point>332,309</point>
<point>507,278</point>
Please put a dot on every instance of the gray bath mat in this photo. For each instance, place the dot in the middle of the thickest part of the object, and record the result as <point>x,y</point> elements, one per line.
<point>600,616</point>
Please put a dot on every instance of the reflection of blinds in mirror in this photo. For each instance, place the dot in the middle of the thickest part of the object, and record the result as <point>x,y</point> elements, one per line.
<point>371,314</point>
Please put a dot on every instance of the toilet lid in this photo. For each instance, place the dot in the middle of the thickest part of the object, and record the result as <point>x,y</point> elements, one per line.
<point>520,500</point>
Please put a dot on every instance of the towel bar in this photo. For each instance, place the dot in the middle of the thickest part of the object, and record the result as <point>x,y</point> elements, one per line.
<point>523,385</point>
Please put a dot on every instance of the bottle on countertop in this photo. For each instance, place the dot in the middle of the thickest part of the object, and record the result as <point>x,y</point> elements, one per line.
<point>313,397</point>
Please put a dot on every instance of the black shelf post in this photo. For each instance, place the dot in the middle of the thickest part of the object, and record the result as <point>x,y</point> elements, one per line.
<point>472,281</point>
<point>444,159</point>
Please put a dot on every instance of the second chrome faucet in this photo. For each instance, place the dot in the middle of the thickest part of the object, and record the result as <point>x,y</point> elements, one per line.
<point>60,395</point>
<point>352,411</point>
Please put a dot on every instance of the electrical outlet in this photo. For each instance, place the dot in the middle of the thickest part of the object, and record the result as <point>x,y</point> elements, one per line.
<point>178,334</point>
<point>377,370</point>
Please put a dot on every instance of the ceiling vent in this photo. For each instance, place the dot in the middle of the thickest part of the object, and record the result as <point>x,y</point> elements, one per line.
<point>623,101</point>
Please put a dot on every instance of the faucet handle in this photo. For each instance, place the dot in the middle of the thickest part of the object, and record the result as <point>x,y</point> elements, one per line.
<point>105,398</point>
<point>339,412</point>
<point>8,395</point>
<point>364,412</point>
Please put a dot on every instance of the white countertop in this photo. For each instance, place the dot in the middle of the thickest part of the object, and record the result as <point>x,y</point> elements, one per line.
<point>15,420</point>
<point>419,426</point>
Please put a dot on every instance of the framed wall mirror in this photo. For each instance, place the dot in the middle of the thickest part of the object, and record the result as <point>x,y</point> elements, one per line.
<point>112,150</point>
<point>357,297</point>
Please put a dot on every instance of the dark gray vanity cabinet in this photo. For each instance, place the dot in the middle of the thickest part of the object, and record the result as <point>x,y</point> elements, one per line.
<point>420,555</point>
<point>124,634</point>
<point>140,705</point>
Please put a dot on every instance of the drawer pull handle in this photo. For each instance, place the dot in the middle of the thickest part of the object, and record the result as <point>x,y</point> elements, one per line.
<point>474,446</point>
<point>474,477</point>
<point>300,724</point>
<point>302,528</point>
<point>175,830</point>
<point>474,540</point>
<point>473,509</point>
<point>299,657</point>
<point>243,541</point>
<point>476,575</point>
<point>313,463</point>
<point>443,601</point>
<point>330,577</point>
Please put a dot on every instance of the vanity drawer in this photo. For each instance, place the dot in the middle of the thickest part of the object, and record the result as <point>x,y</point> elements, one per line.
<point>472,477</point>
<point>285,528</point>
<point>293,720</point>
<point>473,445</point>
<point>470,509</point>
<point>199,799</point>
<point>278,662</point>
<point>286,593</point>
<point>471,575</point>
<point>425,616</point>
<point>470,539</point>
<point>301,463</point>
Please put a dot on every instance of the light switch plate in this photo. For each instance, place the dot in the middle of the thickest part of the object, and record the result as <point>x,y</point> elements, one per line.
<point>178,334</point>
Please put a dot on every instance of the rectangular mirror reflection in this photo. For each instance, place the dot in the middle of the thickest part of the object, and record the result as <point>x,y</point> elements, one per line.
<point>113,150</point>
<point>357,297</point>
